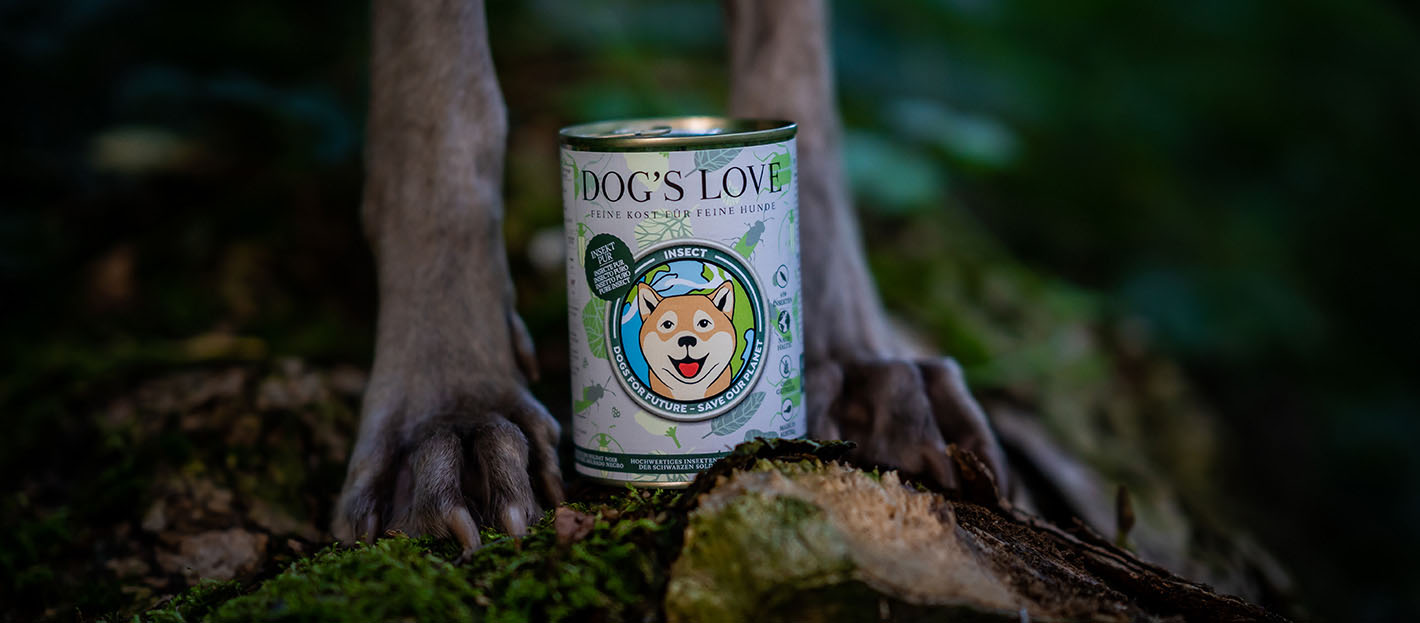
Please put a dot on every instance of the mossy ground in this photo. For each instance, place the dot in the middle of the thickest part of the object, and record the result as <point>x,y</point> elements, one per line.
<point>616,571</point>
<point>612,573</point>
<point>124,469</point>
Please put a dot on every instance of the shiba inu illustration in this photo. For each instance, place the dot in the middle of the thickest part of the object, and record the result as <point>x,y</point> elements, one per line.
<point>688,341</point>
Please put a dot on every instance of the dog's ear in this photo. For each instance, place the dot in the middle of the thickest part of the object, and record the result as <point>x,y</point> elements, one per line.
<point>723,298</point>
<point>646,299</point>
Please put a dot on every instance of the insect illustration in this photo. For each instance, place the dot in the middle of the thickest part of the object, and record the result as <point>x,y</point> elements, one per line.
<point>789,231</point>
<point>591,394</point>
<point>603,440</point>
<point>746,244</point>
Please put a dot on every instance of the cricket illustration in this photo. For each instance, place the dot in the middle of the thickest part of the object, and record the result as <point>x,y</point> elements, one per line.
<point>591,395</point>
<point>746,243</point>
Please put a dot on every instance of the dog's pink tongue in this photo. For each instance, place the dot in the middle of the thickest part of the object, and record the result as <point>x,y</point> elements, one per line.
<point>688,369</point>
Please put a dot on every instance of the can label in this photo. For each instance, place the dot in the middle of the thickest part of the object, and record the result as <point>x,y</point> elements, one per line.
<point>683,300</point>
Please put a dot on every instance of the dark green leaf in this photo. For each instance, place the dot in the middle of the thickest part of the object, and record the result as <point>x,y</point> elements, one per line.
<point>732,421</point>
<point>714,159</point>
<point>593,320</point>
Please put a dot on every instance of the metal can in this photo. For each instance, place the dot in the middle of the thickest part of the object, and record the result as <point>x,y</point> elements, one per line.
<point>683,292</point>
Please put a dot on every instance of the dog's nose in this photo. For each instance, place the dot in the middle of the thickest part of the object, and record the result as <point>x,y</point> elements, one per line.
<point>688,340</point>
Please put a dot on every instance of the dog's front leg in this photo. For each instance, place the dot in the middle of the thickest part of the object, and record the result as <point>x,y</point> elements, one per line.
<point>862,383</point>
<point>449,436</point>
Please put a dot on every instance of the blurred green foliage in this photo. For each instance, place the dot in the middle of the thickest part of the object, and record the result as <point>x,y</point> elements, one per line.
<point>1232,177</point>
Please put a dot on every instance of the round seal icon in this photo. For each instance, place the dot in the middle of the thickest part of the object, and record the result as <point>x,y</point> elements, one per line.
<point>687,340</point>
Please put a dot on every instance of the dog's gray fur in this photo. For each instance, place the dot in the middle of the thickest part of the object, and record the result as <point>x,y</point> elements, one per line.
<point>449,436</point>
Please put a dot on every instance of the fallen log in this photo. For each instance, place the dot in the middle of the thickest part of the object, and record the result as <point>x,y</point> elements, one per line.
<point>799,538</point>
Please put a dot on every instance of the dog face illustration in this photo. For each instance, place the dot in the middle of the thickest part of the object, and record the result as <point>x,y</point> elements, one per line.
<point>688,341</point>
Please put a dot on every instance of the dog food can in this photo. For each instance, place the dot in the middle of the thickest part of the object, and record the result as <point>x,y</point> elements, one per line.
<point>682,292</point>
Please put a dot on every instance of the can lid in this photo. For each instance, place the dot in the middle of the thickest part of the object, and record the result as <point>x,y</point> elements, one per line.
<point>676,133</point>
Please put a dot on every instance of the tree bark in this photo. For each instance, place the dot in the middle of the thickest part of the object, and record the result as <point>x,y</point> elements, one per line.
<point>783,531</point>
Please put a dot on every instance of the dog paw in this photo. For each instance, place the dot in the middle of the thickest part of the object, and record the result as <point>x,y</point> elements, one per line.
<point>904,413</point>
<point>486,461</point>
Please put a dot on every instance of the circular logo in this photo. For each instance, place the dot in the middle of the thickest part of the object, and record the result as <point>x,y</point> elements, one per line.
<point>687,339</point>
<point>781,276</point>
<point>608,262</point>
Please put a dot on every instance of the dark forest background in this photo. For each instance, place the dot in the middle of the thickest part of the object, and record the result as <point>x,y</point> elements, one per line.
<point>1232,179</point>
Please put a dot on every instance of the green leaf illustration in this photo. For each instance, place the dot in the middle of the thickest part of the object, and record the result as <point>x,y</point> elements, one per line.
<point>656,426</point>
<point>732,421</point>
<point>714,159</point>
<point>660,228</point>
<point>583,233</point>
<point>593,320</point>
<point>655,164</point>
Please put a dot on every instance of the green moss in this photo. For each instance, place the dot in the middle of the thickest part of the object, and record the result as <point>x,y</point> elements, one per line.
<point>193,605</point>
<point>394,578</point>
<point>617,572</point>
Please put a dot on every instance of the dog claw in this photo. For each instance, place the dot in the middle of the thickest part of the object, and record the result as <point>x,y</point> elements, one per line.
<point>461,525</point>
<point>487,458</point>
<point>904,413</point>
<point>515,521</point>
<point>369,528</point>
<point>941,468</point>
